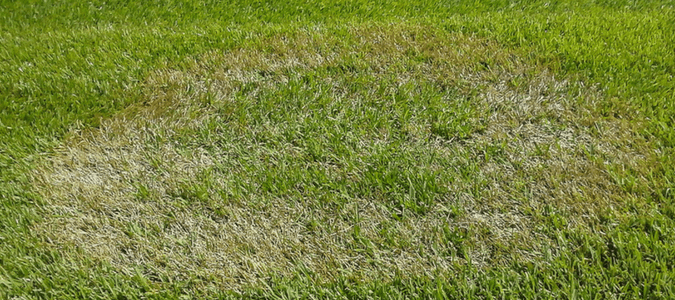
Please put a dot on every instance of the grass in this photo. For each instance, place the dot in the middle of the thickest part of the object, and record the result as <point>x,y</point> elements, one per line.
<point>467,149</point>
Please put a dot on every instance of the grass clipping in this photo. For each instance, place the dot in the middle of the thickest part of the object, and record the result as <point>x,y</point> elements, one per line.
<point>376,152</point>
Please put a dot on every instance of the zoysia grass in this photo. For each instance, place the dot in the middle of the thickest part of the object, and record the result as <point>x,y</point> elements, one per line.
<point>380,152</point>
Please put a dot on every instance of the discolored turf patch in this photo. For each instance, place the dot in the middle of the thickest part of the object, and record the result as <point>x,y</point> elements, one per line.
<point>362,152</point>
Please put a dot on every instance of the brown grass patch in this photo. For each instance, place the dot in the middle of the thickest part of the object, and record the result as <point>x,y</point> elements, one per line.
<point>137,192</point>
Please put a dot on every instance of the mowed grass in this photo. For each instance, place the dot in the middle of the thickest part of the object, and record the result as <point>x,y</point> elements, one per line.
<point>337,150</point>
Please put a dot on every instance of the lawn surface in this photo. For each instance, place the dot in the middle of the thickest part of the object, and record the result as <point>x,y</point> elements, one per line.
<point>337,149</point>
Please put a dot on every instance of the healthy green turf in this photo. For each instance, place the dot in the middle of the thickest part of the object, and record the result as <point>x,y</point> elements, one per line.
<point>454,149</point>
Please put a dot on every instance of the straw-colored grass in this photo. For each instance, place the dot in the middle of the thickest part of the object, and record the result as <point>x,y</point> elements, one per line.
<point>392,151</point>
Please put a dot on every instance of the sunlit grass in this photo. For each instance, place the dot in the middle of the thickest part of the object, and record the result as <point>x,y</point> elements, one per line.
<point>346,150</point>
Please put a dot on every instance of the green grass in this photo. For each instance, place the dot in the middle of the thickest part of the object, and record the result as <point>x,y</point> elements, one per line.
<point>350,149</point>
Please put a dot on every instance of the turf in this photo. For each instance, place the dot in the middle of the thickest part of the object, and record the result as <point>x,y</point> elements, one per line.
<point>351,149</point>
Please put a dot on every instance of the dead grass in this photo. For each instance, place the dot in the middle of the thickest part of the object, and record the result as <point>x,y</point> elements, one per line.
<point>145,191</point>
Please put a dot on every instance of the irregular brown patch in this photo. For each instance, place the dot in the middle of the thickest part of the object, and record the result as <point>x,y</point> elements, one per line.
<point>116,192</point>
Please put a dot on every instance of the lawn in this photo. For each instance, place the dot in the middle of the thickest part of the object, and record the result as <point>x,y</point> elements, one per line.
<point>185,149</point>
